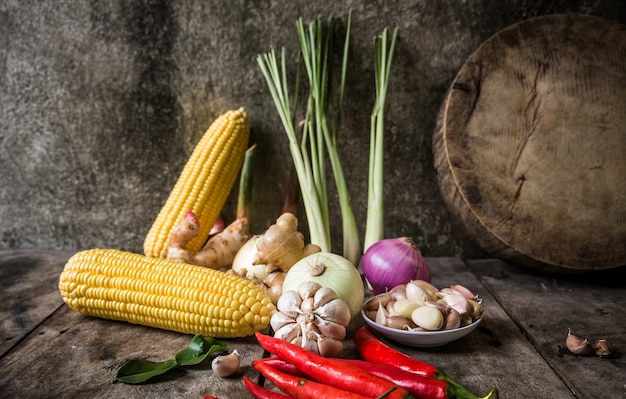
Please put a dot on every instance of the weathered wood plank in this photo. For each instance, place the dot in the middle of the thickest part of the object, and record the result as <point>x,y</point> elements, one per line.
<point>545,306</point>
<point>496,354</point>
<point>29,292</point>
<point>71,356</point>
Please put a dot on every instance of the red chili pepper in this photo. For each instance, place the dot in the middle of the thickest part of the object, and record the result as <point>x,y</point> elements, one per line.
<point>373,350</point>
<point>258,392</point>
<point>303,388</point>
<point>332,371</point>
<point>281,365</point>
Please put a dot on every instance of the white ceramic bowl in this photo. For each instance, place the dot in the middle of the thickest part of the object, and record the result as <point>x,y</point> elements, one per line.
<point>426,339</point>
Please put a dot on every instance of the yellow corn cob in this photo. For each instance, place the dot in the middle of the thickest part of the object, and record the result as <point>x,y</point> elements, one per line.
<point>159,293</point>
<point>204,184</point>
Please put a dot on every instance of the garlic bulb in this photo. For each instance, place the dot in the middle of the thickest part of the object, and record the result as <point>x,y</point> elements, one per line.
<point>312,317</point>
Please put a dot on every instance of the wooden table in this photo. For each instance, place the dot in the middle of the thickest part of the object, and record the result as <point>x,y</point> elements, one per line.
<point>49,351</point>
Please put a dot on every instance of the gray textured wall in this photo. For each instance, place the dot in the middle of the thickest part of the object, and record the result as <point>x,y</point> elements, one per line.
<point>101,102</point>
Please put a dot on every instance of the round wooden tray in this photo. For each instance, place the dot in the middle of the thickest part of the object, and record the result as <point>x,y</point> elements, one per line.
<point>530,145</point>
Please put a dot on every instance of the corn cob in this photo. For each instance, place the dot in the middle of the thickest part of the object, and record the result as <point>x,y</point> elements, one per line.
<point>204,183</point>
<point>165,294</point>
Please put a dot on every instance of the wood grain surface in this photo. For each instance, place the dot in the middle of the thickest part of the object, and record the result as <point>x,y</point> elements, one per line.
<point>530,144</point>
<point>518,348</point>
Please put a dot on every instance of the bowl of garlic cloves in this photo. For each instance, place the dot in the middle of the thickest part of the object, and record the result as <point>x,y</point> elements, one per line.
<point>421,315</point>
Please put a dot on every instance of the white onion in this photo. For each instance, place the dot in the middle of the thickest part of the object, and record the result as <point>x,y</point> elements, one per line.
<point>393,261</point>
<point>332,271</point>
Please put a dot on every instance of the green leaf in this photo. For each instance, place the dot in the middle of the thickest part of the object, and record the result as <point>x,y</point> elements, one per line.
<point>136,371</point>
<point>198,349</point>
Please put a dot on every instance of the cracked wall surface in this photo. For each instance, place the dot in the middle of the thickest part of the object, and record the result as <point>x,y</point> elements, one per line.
<point>101,103</point>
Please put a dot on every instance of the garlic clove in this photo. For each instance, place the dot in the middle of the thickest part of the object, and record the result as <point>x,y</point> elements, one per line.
<point>289,303</point>
<point>441,306</point>
<point>329,347</point>
<point>398,292</point>
<point>452,320</point>
<point>475,309</point>
<point>288,332</point>
<point>603,348</point>
<point>466,320</point>
<point>457,302</point>
<point>404,307</point>
<point>426,286</point>
<point>336,311</point>
<point>577,345</point>
<point>323,296</point>
<point>427,317</point>
<point>307,289</point>
<point>279,319</point>
<point>330,329</point>
<point>399,322</point>
<point>462,290</point>
<point>416,293</point>
<point>373,303</point>
<point>307,305</point>
<point>226,365</point>
<point>381,315</point>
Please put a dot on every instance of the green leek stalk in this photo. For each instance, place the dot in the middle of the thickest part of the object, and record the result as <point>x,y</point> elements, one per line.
<point>374,227</point>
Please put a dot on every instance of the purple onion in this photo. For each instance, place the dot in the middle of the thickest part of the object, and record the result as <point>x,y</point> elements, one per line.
<point>393,261</point>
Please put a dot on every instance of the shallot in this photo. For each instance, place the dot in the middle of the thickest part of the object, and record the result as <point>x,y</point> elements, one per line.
<point>394,261</point>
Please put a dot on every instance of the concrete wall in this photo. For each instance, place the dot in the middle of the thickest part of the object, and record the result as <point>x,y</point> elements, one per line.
<point>101,102</point>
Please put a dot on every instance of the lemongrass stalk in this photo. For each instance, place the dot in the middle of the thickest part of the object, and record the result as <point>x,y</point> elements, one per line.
<point>244,198</point>
<point>276,77</point>
<point>316,44</point>
<point>374,227</point>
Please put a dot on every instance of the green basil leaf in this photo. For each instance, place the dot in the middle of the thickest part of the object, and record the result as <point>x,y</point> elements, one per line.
<point>198,349</point>
<point>136,371</point>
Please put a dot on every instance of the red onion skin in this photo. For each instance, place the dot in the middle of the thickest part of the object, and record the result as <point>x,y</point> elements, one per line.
<point>393,261</point>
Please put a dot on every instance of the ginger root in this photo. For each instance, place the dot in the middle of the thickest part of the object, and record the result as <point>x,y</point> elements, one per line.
<point>218,252</point>
<point>282,245</point>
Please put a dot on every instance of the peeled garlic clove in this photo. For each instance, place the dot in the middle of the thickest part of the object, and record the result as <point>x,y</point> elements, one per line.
<point>603,348</point>
<point>289,303</point>
<point>452,320</point>
<point>577,345</point>
<point>404,307</point>
<point>416,293</point>
<point>427,317</point>
<point>226,365</point>
<point>462,290</point>
<point>457,302</point>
